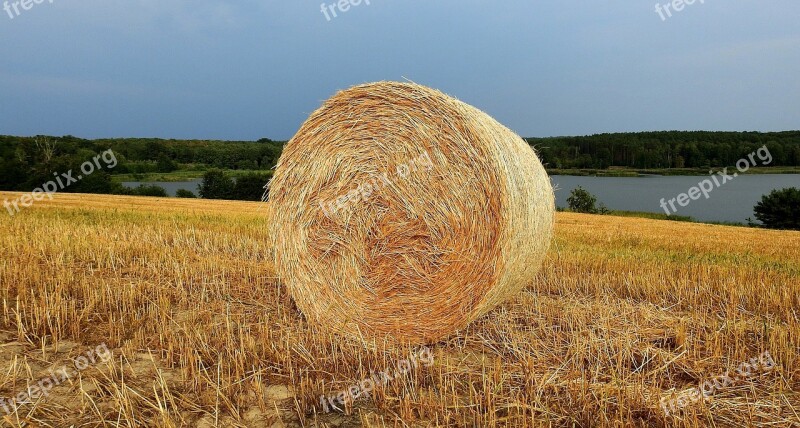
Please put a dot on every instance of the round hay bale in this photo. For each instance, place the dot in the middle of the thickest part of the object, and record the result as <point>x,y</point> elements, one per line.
<point>399,211</point>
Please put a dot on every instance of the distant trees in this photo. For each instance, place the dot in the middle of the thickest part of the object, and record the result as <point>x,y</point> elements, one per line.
<point>780,209</point>
<point>581,201</point>
<point>183,193</point>
<point>98,182</point>
<point>250,187</point>
<point>216,185</point>
<point>148,190</point>
<point>667,149</point>
<point>165,164</point>
<point>26,161</point>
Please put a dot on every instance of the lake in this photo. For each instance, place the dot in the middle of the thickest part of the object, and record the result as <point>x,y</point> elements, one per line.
<point>170,186</point>
<point>733,201</point>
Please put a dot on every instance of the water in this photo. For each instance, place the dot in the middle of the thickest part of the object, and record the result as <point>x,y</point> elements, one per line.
<point>170,187</point>
<point>733,201</point>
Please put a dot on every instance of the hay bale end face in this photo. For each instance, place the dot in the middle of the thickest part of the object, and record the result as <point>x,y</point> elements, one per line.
<point>399,211</point>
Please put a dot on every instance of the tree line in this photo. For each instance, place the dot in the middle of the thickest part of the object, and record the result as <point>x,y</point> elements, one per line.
<point>142,155</point>
<point>666,149</point>
<point>27,162</point>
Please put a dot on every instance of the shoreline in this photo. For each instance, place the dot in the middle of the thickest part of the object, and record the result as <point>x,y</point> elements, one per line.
<point>693,172</point>
<point>195,174</point>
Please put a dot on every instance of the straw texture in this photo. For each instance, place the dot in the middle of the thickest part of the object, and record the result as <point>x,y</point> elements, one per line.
<point>398,211</point>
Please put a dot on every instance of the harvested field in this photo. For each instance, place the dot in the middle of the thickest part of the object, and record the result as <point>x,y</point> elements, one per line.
<point>182,292</point>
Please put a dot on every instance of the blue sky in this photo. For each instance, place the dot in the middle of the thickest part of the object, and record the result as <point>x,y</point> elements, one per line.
<point>242,70</point>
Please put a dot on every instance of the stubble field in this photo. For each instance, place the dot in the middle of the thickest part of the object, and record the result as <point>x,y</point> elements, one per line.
<point>625,312</point>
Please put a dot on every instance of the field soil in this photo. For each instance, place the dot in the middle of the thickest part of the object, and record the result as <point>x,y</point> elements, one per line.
<point>626,315</point>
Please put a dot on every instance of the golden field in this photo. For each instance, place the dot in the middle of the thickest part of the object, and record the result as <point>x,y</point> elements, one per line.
<point>625,311</point>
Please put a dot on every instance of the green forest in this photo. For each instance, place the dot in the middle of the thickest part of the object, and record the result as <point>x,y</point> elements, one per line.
<point>666,149</point>
<point>27,162</point>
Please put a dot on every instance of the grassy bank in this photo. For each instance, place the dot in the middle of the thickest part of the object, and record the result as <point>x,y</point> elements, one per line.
<point>194,173</point>
<point>181,175</point>
<point>631,172</point>
<point>659,216</point>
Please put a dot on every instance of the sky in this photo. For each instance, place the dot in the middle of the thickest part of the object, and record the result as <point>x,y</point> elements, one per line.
<point>245,69</point>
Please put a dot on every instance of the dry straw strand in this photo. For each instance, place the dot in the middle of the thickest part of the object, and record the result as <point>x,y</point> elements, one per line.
<point>398,211</point>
